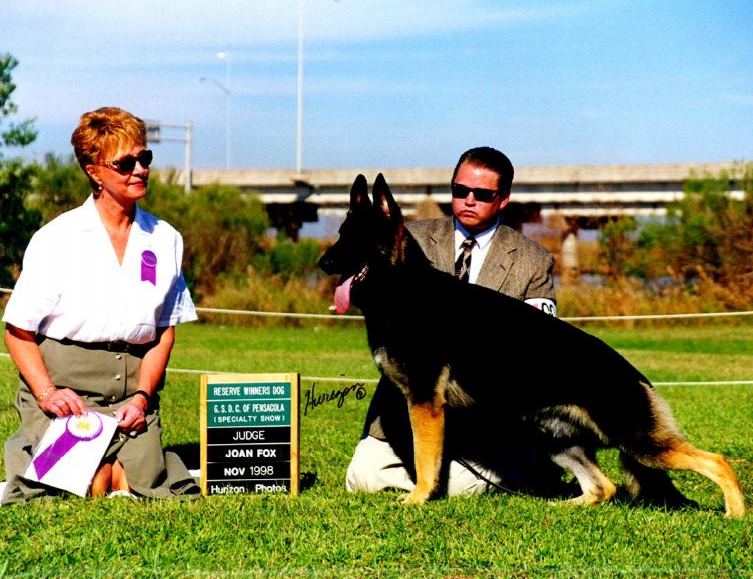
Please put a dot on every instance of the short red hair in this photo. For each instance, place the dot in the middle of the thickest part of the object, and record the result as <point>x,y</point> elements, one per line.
<point>102,133</point>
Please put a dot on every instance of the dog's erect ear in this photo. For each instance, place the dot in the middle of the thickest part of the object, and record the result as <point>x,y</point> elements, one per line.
<point>384,200</point>
<point>359,192</point>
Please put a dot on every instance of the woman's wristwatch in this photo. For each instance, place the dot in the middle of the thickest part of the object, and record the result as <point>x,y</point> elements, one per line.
<point>147,397</point>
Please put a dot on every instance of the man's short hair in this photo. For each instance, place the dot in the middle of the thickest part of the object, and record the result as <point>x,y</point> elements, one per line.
<point>492,159</point>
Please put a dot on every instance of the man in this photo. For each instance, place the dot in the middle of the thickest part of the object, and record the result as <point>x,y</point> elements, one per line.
<point>476,247</point>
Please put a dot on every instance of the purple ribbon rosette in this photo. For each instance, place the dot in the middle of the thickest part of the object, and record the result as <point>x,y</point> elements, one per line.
<point>149,267</point>
<point>77,429</point>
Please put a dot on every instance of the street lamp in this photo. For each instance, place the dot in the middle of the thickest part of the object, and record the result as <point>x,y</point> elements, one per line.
<point>228,103</point>
<point>299,108</point>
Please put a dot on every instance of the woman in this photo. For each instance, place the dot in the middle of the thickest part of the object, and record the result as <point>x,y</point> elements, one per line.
<point>90,324</point>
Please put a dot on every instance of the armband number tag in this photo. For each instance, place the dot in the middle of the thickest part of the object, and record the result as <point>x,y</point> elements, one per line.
<point>545,305</point>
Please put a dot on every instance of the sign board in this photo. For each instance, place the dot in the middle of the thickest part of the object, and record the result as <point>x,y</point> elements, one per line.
<point>153,131</point>
<point>249,433</point>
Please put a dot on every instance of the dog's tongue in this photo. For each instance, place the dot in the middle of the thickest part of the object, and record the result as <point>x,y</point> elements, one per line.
<point>342,296</point>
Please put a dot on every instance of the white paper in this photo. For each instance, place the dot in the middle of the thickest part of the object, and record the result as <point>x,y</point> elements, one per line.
<point>74,471</point>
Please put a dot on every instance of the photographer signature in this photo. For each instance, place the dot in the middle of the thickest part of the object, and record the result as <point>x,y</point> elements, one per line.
<point>313,399</point>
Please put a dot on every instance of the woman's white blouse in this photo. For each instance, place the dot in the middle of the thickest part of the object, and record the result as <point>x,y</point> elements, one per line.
<point>72,285</point>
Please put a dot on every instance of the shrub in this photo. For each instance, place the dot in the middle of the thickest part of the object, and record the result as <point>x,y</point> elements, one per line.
<point>59,185</point>
<point>289,259</point>
<point>222,229</point>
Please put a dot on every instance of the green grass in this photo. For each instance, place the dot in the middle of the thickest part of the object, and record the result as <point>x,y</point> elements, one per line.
<point>327,532</point>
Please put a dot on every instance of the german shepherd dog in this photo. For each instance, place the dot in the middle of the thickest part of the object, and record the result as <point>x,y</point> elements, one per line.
<point>582,395</point>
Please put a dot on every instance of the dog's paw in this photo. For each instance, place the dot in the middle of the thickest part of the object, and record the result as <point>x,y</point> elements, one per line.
<point>560,503</point>
<point>584,500</point>
<point>735,512</point>
<point>414,498</point>
<point>589,499</point>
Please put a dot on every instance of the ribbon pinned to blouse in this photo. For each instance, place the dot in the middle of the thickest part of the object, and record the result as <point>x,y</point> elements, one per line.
<point>149,267</point>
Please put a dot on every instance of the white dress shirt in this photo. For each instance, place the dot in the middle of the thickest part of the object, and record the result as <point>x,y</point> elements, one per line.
<point>479,249</point>
<point>72,285</point>
<point>478,254</point>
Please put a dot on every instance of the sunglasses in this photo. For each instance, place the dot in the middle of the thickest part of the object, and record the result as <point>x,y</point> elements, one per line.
<point>484,195</point>
<point>127,164</point>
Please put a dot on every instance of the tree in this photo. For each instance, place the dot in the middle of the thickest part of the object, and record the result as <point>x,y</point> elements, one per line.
<point>704,243</point>
<point>23,133</point>
<point>17,222</point>
<point>616,247</point>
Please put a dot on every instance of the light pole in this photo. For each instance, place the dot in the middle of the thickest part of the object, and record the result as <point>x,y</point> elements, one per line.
<point>299,108</point>
<point>228,103</point>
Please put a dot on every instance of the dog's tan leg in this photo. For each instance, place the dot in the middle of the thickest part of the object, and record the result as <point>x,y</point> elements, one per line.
<point>684,456</point>
<point>427,422</point>
<point>596,487</point>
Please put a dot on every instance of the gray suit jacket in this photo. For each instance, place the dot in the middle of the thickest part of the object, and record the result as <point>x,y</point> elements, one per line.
<point>514,265</point>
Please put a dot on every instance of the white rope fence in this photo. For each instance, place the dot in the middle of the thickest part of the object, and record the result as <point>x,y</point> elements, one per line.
<point>276,314</point>
<point>344,380</point>
<point>569,319</point>
<point>657,316</point>
<point>360,318</point>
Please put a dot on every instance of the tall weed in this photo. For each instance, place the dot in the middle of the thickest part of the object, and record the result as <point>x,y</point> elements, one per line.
<point>268,293</point>
<point>633,297</point>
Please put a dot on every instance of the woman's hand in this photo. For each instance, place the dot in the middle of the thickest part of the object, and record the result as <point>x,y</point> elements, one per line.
<point>23,349</point>
<point>132,417</point>
<point>63,402</point>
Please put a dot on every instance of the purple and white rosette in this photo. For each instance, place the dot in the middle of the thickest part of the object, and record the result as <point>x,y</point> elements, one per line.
<point>149,267</point>
<point>77,429</point>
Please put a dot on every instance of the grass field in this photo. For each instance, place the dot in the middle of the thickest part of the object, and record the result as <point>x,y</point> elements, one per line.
<point>326,532</point>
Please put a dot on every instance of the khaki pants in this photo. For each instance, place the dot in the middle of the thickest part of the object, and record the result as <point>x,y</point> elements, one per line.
<point>106,381</point>
<point>375,467</point>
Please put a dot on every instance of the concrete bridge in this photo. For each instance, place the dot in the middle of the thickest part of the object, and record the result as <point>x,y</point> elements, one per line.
<point>584,195</point>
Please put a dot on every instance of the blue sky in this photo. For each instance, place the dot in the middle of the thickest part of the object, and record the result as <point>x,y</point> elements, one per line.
<point>393,83</point>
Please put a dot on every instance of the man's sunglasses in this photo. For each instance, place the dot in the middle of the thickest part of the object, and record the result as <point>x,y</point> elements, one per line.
<point>127,164</point>
<point>484,195</point>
